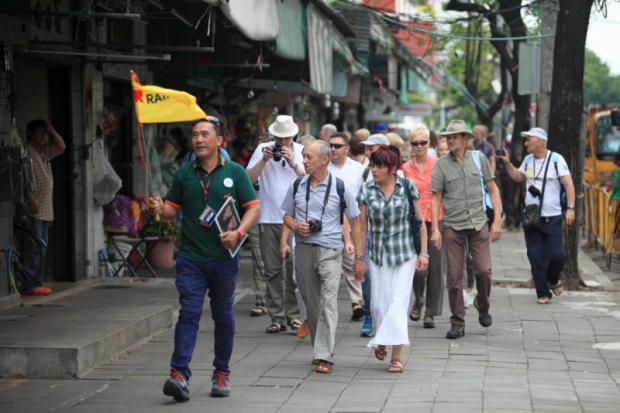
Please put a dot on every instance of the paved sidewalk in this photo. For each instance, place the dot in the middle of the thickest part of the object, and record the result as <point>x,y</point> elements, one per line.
<point>564,357</point>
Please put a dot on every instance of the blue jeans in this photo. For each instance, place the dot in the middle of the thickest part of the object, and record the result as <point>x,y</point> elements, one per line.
<point>34,254</point>
<point>545,251</point>
<point>193,280</point>
<point>367,282</point>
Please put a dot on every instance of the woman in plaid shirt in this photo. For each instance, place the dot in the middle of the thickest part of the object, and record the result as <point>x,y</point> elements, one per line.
<point>384,211</point>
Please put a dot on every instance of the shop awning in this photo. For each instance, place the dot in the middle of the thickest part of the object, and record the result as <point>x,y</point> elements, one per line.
<point>320,51</point>
<point>290,39</point>
<point>256,19</point>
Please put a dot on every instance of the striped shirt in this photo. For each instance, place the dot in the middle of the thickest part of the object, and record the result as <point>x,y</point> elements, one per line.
<point>389,241</point>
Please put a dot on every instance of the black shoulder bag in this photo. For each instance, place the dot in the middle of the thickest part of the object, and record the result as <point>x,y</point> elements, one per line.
<point>531,213</point>
<point>414,221</point>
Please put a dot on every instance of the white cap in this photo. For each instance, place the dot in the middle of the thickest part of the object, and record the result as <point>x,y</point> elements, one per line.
<point>536,133</point>
<point>376,139</point>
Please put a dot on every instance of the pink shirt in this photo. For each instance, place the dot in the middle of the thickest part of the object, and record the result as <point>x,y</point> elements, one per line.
<point>422,180</point>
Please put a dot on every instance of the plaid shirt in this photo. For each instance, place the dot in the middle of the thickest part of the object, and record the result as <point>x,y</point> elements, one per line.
<point>390,240</point>
<point>44,179</point>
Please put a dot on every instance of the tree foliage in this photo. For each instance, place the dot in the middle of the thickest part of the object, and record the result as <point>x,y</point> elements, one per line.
<point>599,85</point>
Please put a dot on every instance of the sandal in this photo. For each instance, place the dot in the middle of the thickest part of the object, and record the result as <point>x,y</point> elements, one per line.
<point>303,331</point>
<point>294,324</point>
<point>543,300</point>
<point>396,366</point>
<point>557,288</point>
<point>258,311</point>
<point>275,328</point>
<point>324,367</point>
<point>380,352</point>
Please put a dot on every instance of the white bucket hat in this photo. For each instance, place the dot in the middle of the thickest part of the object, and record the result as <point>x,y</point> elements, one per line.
<point>284,127</point>
<point>536,133</point>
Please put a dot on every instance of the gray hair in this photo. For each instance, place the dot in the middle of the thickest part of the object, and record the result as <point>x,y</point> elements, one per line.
<point>324,148</point>
<point>330,127</point>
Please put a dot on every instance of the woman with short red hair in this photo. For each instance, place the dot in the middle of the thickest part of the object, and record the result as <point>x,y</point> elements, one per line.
<point>385,208</point>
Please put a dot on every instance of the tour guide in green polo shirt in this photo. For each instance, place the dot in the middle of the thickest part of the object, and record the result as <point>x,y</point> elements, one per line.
<point>204,261</point>
<point>457,182</point>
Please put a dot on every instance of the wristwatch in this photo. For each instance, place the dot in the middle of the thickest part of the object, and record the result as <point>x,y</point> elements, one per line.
<point>359,257</point>
<point>295,166</point>
<point>571,207</point>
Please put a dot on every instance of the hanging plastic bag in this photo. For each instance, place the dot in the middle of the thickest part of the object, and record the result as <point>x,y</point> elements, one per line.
<point>106,182</point>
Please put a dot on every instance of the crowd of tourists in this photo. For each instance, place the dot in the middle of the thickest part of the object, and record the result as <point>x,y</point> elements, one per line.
<point>383,214</point>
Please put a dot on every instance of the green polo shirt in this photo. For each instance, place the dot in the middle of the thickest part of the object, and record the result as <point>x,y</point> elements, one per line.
<point>228,179</point>
<point>459,185</point>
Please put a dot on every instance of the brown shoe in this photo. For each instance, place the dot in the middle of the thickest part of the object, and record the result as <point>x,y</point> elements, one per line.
<point>303,331</point>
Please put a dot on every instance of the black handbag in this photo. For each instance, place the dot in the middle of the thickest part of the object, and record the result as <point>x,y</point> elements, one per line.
<point>531,213</point>
<point>414,221</point>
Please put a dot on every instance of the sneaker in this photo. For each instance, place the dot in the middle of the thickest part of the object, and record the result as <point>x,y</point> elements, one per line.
<point>484,318</point>
<point>176,386</point>
<point>456,331</point>
<point>37,291</point>
<point>220,384</point>
<point>358,313</point>
<point>366,330</point>
<point>468,298</point>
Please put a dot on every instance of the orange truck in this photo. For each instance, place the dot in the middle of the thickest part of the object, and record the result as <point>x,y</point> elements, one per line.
<point>603,144</point>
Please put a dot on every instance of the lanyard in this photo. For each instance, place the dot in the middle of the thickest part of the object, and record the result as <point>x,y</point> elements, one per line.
<point>327,190</point>
<point>541,166</point>
<point>205,188</point>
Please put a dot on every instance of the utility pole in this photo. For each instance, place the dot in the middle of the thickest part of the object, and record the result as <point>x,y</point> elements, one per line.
<point>548,22</point>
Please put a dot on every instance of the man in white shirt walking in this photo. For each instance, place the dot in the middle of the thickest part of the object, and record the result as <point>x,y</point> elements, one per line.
<point>277,164</point>
<point>550,191</point>
<point>350,171</point>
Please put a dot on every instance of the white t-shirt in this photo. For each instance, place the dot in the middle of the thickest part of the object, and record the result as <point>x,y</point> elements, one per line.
<point>351,174</point>
<point>274,180</point>
<point>534,171</point>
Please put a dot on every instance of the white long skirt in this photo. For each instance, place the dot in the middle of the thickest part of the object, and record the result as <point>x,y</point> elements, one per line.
<point>389,305</point>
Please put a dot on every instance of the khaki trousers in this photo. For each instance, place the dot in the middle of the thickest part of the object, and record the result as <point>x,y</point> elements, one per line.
<point>354,287</point>
<point>280,298</point>
<point>454,242</point>
<point>318,277</point>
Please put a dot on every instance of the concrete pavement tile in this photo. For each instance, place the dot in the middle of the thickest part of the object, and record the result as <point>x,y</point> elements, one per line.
<point>541,407</point>
<point>456,406</point>
<point>393,407</point>
<point>599,408</point>
<point>600,367</point>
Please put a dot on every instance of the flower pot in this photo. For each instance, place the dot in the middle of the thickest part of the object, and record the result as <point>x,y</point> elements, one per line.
<point>161,254</point>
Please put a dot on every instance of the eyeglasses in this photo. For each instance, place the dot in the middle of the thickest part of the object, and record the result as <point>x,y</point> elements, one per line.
<point>336,145</point>
<point>216,121</point>
<point>419,143</point>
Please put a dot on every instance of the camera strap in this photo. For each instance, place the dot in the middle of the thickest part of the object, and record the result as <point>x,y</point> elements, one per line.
<point>325,199</point>
<point>542,193</point>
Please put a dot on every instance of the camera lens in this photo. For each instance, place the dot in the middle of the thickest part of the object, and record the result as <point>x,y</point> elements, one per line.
<point>533,191</point>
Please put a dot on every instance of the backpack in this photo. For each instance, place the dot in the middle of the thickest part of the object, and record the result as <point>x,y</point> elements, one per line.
<point>339,190</point>
<point>487,206</point>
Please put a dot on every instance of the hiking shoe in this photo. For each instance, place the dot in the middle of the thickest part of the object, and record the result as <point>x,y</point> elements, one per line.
<point>176,386</point>
<point>456,331</point>
<point>41,291</point>
<point>358,313</point>
<point>366,330</point>
<point>429,322</point>
<point>484,318</point>
<point>416,311</point>
<point>220,384</point>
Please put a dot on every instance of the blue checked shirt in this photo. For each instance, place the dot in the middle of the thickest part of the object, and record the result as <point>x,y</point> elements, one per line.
<point>390,241</point>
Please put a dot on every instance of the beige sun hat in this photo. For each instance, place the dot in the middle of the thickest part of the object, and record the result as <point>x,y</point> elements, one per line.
<point>284,127</point>
<point>456,126</point>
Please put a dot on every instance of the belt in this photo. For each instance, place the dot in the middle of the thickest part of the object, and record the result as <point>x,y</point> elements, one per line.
<point>546,220</point>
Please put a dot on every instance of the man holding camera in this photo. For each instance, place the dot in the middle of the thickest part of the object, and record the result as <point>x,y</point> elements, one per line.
<point>313,209</point>
<point>275,165</point>
<point>548,181</point>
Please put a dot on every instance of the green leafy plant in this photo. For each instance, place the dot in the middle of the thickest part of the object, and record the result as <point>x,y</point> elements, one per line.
<point>161,229</point>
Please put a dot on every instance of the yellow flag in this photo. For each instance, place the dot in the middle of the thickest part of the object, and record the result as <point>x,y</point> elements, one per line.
<point>156,104</point>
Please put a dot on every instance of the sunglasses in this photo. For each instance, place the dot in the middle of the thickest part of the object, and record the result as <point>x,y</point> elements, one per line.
<point>419,143</point>
<point>336,145</point>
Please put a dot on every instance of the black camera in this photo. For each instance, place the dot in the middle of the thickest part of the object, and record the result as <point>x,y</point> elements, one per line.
<point>533,191</point>
<point>499,152</point>
<point>277,151</point>
<point>315,225</point>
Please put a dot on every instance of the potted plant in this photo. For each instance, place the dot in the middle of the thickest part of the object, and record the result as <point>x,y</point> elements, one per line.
<point>161,254</point>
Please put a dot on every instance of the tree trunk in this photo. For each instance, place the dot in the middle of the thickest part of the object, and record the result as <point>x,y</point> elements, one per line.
<point>566,109</point>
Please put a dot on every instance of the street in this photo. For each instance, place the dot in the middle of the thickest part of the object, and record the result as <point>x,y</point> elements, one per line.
<point>563,357</point>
